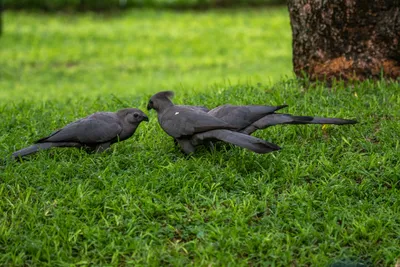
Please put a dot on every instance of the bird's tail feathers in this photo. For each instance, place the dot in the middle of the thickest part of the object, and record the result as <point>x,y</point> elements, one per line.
<point>242,140</point>
<point>42,146</point>
<point>31,150</point>
<point>279,118</point>
<point>319,120</point>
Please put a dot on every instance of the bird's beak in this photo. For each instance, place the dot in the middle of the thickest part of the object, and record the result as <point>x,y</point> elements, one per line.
<point>145,118</point>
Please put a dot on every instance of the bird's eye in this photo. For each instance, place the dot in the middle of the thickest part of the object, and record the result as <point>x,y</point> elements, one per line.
<point>135,115</point>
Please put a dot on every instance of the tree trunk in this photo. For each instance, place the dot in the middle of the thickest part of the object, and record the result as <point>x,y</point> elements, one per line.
<point>345,39</point>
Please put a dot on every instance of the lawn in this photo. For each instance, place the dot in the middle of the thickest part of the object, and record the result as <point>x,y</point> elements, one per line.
<point>66,56</point>
<point>331,194</point>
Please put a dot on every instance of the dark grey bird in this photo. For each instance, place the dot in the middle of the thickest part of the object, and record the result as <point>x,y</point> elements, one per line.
<point>191,126</point>
<point>94,133</point>
<point>248,119</point>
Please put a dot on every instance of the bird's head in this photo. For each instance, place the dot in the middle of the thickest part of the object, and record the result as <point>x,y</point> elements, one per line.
<point>132,115</point>
<point>160,100</point>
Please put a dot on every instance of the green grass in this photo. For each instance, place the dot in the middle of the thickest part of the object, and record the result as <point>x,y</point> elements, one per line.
<point>53,56</point>
<point>331,193</point>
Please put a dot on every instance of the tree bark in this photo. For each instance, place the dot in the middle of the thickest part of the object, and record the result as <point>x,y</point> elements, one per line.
<point>345,39</point>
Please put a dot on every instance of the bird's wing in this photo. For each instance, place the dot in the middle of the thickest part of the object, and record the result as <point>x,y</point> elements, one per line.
<point>242,116</point>
<point>198,108</point>
<point>97,128</point>
<point>180,121</point>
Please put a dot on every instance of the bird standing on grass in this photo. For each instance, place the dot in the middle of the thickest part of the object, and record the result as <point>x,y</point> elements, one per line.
<point>95,133</point>
<point>191,126</point>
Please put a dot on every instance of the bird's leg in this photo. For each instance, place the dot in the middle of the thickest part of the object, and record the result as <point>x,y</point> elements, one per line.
<point>186,145</point>
<point>200,139</point>
<point>175,142</point>
<point>102,147</point>
<point>210,145</point>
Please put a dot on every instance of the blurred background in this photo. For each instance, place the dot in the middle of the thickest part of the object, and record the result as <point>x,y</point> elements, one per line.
<point>52,49</point>
<point>106,5</point>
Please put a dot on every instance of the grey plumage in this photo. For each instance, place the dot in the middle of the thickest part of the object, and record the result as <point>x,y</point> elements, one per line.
<point>242,116</point>
<point>248,119</point>
<point>235,138</point>
<point>199,108</point>
<point>277,118</point>
<point>95,133</point>
<point>189,125</point>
